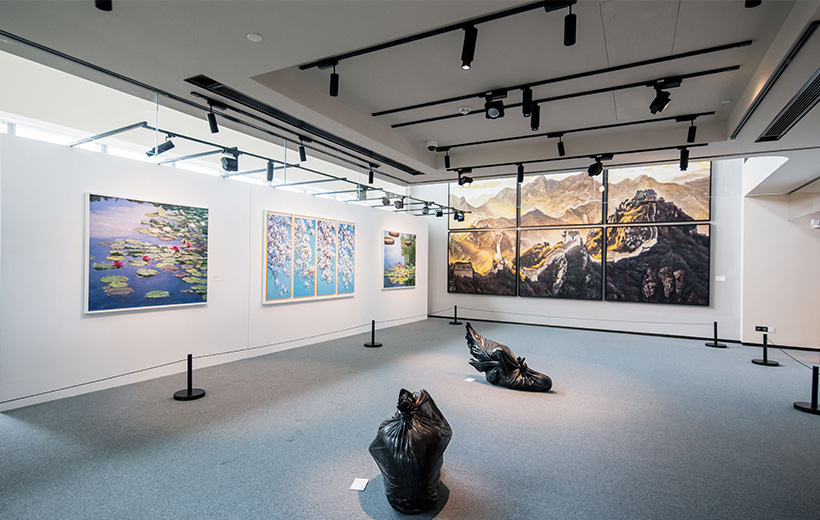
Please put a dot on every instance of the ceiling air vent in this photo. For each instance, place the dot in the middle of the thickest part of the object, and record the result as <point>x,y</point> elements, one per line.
<point>799,106</point>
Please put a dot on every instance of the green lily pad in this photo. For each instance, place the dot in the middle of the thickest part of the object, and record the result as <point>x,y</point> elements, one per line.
<point>117,285</point>
<point>194,272</point>
<point>194,280</point>
<point>113,278</point>
<point>118,291</point>
<point>145,272</point>
<point>137,263</point>
<point>157,294</point>
<point>102,266</point>
<point>169,268</point>
<point>200,289</point>
<point>115,255</point>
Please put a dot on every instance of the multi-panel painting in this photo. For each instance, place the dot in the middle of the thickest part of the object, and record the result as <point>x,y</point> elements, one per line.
<point>650,245</point>
<point>144,254</point>
<point>399,259</point>
<point>307,257</point>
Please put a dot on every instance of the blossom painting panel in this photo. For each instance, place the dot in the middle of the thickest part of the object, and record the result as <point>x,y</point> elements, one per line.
<point>304,257</point>
<point>325,257</point>
<point>144,254</point>
<point>560,263</point>
<point>658,264</point>
<point>487,204</point>
<point>278,256</point>
<point>399,259</point>
<point>482,262</point>
<point>346,272</point>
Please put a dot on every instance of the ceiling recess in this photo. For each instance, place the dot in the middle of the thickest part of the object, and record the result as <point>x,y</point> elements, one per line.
<point>795,109</point>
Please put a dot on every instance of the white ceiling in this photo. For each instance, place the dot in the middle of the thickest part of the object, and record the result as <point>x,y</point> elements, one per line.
<point>160,44</point>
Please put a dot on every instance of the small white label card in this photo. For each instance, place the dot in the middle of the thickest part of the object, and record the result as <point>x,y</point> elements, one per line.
<point>359,484</point>
<point>470,379</point>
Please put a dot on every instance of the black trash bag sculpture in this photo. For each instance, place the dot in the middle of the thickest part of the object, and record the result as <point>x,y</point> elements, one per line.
<point>409,450</point>
<point>501,367</point>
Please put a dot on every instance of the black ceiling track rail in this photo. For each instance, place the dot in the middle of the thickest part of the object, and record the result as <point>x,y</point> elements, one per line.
<point>334,60</point>
<point>220,89</point>
<point>787,60</point>
<point>570,77</point>
<point>561,133</point>
<point>616,88</point>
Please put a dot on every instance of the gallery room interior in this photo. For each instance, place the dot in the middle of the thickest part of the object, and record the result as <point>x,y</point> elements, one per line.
<point>368,259</point>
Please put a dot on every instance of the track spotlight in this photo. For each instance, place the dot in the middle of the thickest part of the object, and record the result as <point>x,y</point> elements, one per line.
<point>520,177</point>
<point>160,148</point>
<point>463,180</point>
<point>595,168</point>
<point>684,159</point>
<point>230,164</point>
<point>526,102</point>
<point>426,209</point>
<point>212,122</point>
<point>106,5</point>
<point>468,49</point>
<point>447,159</point>
<point>535,118</point>
<point>494,108</point>
<point>385,201</point>
<point>693,132</point>
<point>370,176</point>
<point>399,203</point>
<point>661,101</point>
<point>439,212</point>
<point>561,150</point>
<point>748,4</point>
<point>458,216</point>
<point>302,153</point>
<point>334,83</point>
<point>269,174</point>
<point>570,25</point>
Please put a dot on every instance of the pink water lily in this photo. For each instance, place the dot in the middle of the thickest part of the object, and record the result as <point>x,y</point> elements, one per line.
<point>146,258</point>
<point>175,248</point>
<point>187,244</point>
<point>118,264</point>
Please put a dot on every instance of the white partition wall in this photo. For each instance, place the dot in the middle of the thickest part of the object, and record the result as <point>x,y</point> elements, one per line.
<point>47,342</point>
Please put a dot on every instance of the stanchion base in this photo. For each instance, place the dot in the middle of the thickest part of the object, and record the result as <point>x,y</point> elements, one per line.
<point>456,322</point>
<point>806,407</point>
<point>766,362</point>
<point>184,395</point>
<point>715,344</point>
<point>372,344</point>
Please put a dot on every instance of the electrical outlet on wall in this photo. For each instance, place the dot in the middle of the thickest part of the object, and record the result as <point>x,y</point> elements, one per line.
<point>764,328</point>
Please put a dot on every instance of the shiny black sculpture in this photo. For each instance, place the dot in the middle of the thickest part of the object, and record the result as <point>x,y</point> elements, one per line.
<point>502,367</point>
<point>409,449</point>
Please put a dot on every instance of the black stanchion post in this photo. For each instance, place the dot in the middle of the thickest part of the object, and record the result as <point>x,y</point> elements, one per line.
<point>455,316</point>
<point>714,343</point>
<point>765,361</point>
<point>373,336</point>
<point>190,393</point>
<point>811,407</point>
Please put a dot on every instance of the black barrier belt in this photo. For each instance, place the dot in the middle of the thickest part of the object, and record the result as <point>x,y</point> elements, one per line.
<point>783,351</point>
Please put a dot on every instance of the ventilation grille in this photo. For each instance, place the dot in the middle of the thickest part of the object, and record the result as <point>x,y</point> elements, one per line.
<point>799,106</point>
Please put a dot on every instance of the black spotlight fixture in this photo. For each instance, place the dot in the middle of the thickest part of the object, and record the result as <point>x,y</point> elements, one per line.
<point>399,203</point>
<point>526,102</point>
<point>520,176</point>
<point>561,150</point>
<point>458,216</point>
<point>693,132</point>
<point>160,148</point>
<point>535,118</point>
<point>661,101</point>
<point>370,176</point>
<point>212,122</point>
<point>269,172</point>
<point>494,104</point>
<point>334,82</point>
<point>570,26</point>
<point>230,164</point>
<point>684,159</point>
<point>748,4</point>
<point>385,201</point>
<point>107,5</point>
<point>597,168</point>
<point>447,159</point>
<point>302,152</point>
<point>463,180</point>
<point>426,209</point>
<point>439,212</point>
<point>468,49</point>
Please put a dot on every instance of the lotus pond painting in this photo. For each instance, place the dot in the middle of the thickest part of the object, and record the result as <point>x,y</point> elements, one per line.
<point>399,259</point>
<point>145,254</point>
<point>279,256</point>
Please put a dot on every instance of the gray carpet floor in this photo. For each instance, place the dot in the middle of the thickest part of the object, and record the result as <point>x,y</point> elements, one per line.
<point>636,427</point>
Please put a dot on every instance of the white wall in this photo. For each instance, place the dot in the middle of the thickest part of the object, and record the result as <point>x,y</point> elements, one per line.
<point>46,342</point>
<point>660,319</point>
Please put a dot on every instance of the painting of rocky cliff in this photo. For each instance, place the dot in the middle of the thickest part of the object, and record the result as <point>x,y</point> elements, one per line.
<point>658,264</point>
<point>482,262</point>
<point>560,263</point>
<point>688,192</point>
<point>488,204</point>
<point>561,200</point>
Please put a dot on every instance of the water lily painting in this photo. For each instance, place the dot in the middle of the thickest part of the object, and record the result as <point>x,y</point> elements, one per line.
<point>399,259</point>
<point>278,256</point>
<point>144,254</point>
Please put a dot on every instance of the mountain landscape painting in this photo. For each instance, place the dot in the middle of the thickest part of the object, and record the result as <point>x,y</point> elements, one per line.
<point>561,199</point>
<point>658,264</point>
<point>487,204</point>
<point>482,262</point>
<point>637,194</point>
<point>560,263</point>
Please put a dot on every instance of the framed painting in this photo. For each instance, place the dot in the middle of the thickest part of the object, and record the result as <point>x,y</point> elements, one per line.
<point>662,194</point>
<point>346,271</point>
<point>482,262</point>
<point>658,264</point>
<point>399,259</point>
<point>325,257</point>
<point>561,263</point>
<point>304,257</point>
<point>488,204</point>
<point>143,254</point>
<point>563,199</point>
<point>278,256</point>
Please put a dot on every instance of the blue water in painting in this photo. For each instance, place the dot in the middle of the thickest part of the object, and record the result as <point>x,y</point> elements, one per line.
<point>304,284</point>
<point>392,257</point>
<point>117,218</point>
<point>278,287</point>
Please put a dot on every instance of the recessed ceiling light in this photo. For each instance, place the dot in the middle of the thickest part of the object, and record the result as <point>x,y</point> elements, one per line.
<point>727,101</point>
<point>255,37</point>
